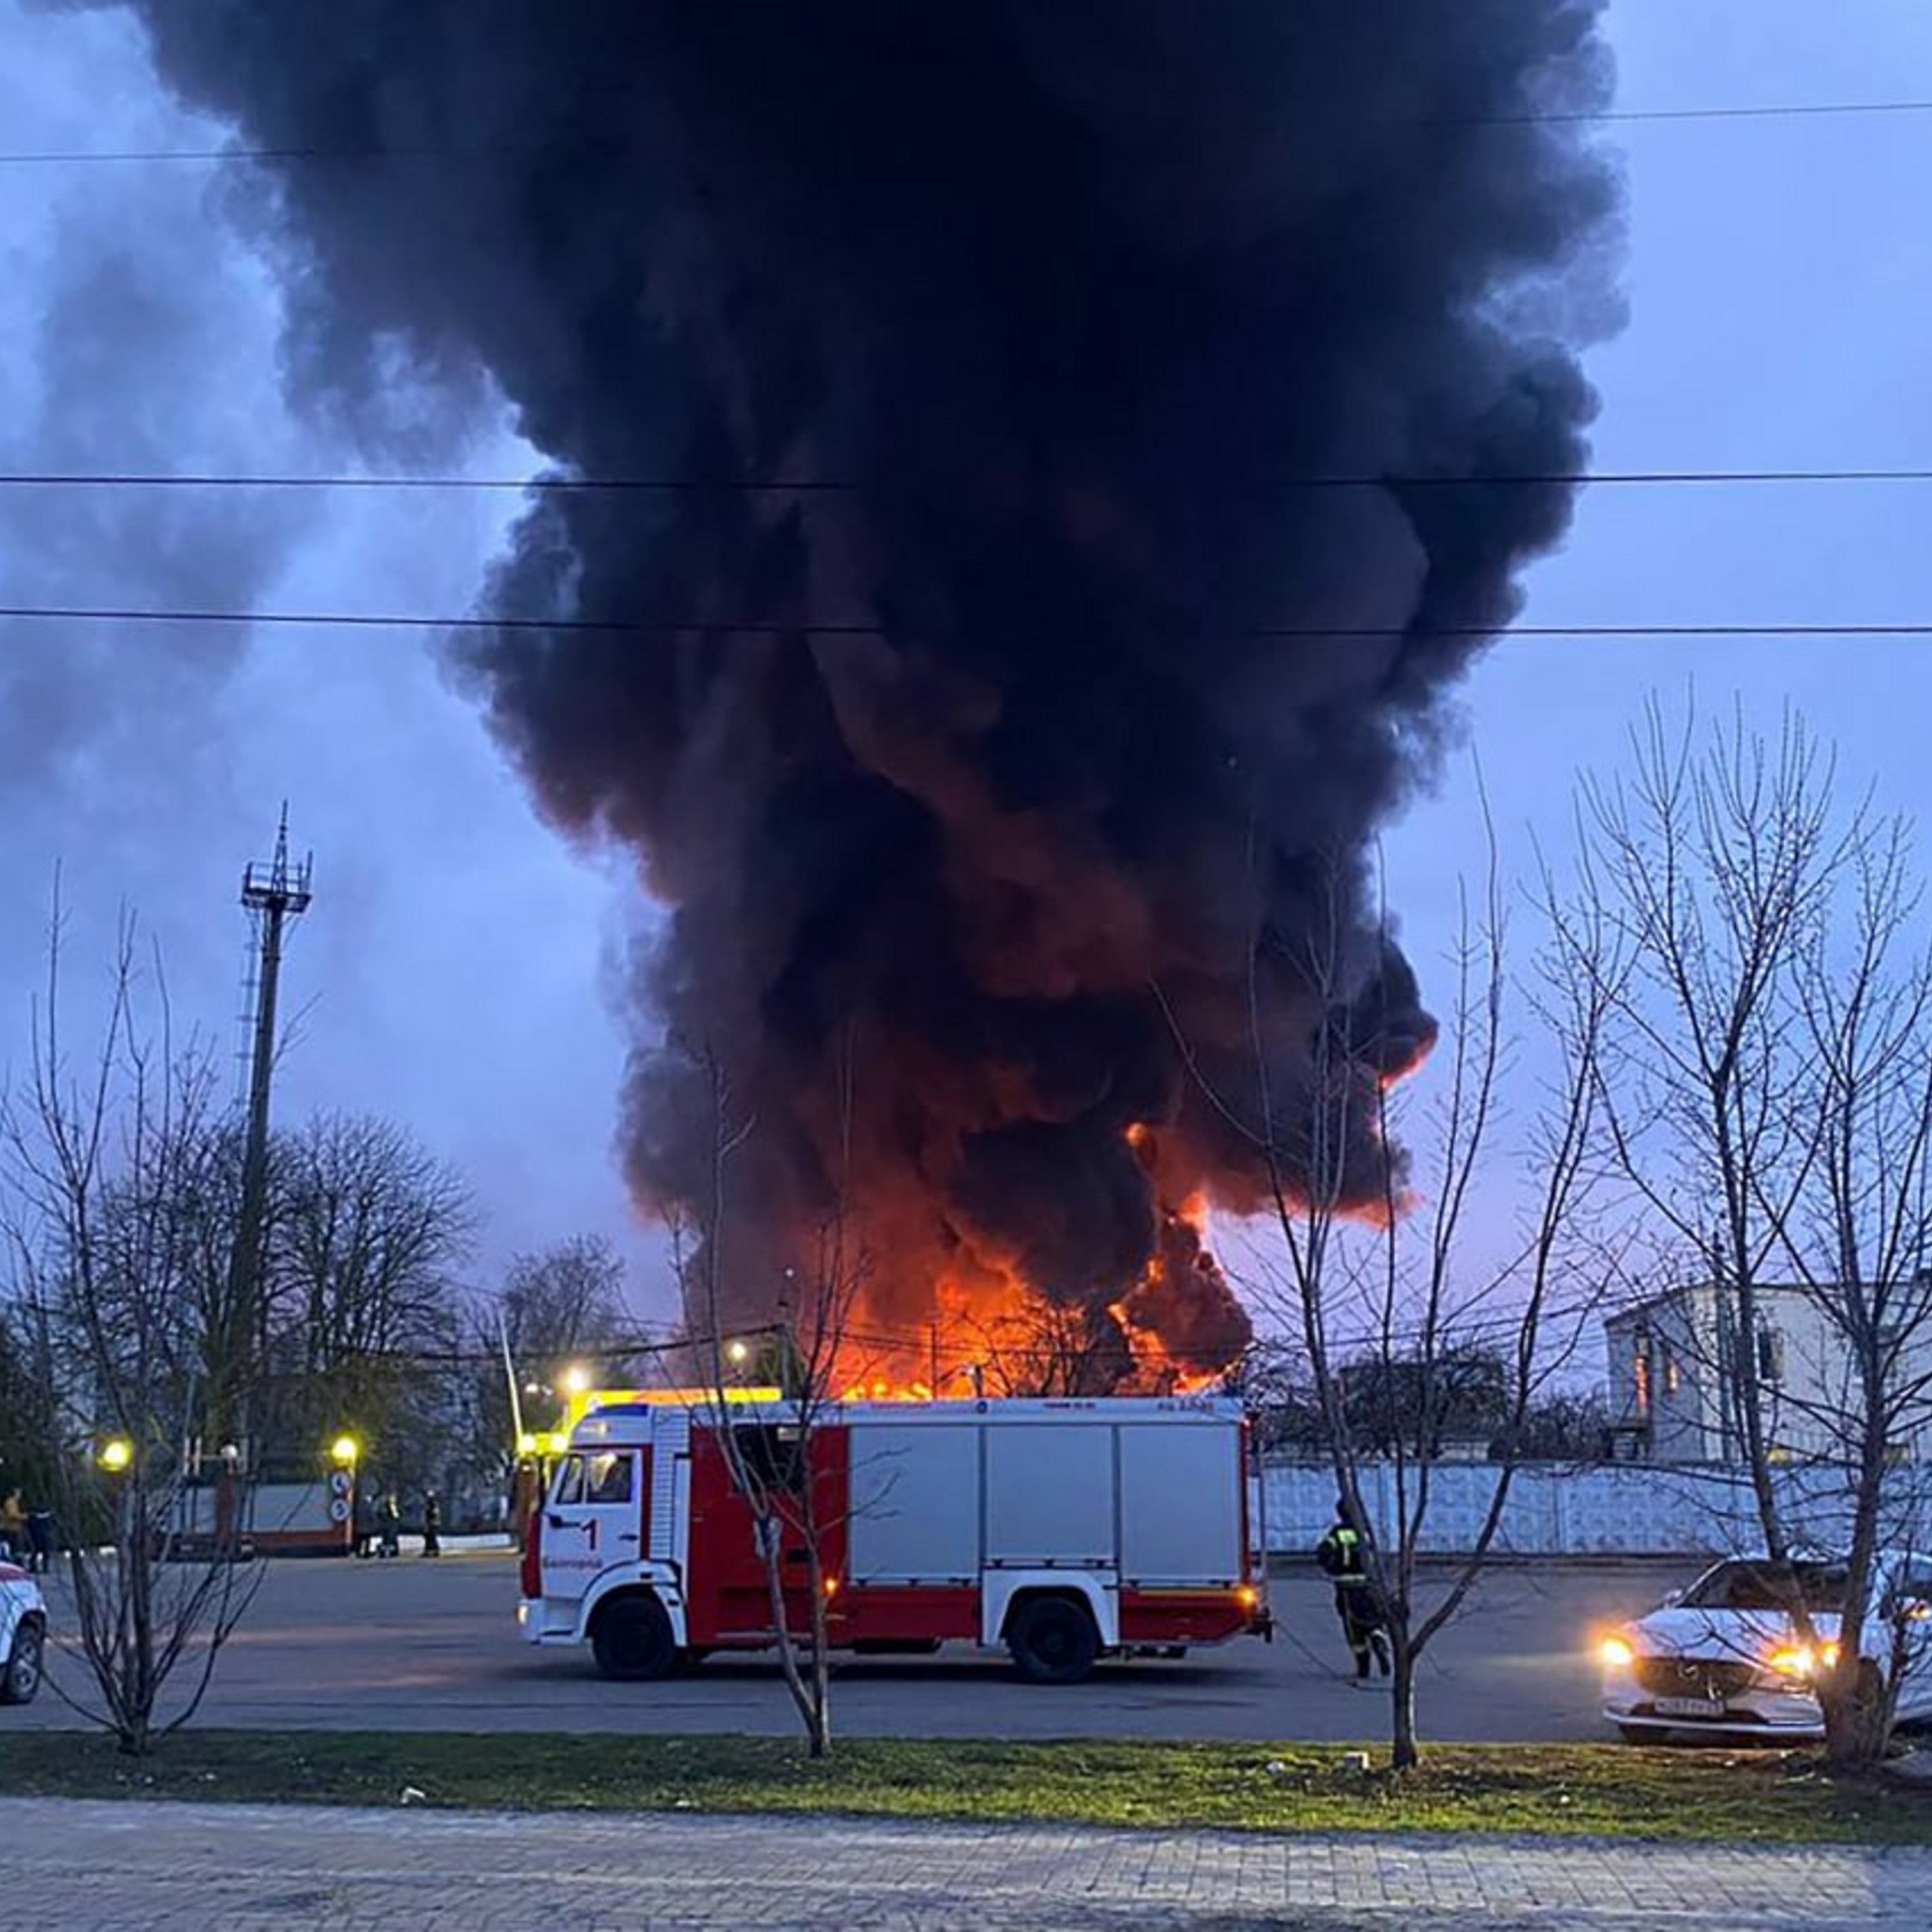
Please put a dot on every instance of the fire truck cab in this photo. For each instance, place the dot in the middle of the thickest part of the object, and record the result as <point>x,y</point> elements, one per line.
<point>1065,1530</point>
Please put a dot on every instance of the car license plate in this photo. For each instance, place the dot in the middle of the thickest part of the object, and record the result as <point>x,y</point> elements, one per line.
<point>1690,1707</point>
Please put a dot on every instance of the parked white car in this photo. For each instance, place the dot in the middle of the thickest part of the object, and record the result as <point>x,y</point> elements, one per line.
<point>1724,1656</point>
<point>23,1635</point>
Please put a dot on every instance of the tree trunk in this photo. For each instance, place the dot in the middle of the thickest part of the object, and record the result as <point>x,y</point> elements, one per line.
<point>811,1697</point>
<point>1403,1753</point>
<point>1857,1699</point>
<point>1858,1716</point>
<point>818,1732</point>
<point>135,1556</point>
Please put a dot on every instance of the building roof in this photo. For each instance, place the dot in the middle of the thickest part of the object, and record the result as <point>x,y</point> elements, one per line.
<point>1686,1291</point>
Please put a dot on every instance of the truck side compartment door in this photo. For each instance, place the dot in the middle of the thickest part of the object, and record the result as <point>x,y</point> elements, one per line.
<point>727,1585</point>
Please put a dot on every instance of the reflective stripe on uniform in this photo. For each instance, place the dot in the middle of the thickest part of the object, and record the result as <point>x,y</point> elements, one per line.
<point>1352,1575</point>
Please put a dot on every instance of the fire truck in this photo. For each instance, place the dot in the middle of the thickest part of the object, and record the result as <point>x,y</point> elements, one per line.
<point>1064,1530</point>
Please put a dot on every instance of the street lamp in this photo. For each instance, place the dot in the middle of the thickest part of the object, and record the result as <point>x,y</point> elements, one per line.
<point>738,1353</point>
<point>117,1455</point>
<point>576,1379</point>
<point>343,1451</point>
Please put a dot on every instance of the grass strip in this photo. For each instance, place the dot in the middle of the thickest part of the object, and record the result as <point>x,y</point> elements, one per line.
<point>1569,1789</point>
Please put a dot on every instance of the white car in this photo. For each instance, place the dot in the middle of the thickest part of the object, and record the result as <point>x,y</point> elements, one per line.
<point>23,1634</point>
<point>1724,1656</point>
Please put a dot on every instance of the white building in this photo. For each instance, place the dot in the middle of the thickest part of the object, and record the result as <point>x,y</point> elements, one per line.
<point>1677,1364</point>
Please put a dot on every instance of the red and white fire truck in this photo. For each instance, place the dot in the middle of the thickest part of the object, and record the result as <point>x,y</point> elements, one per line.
<point>1065,1530</point>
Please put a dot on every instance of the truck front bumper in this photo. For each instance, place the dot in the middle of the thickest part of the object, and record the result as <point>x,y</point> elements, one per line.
<point>532,1628</point>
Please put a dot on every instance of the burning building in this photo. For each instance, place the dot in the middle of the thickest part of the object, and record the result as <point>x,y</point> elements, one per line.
<point>1046,463</point>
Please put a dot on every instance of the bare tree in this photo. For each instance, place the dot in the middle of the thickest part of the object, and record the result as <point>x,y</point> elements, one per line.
<point>371,1227</point>
<point>568,1298</point>
<point>779,1463</point>
<point>1858,1243</point>
<point>1396,1396</point>
<point>100,1167</point>
<point>564,1301</point>
<point>1272,1382</point>
<point>1049,1348</point>
<point>1567,1425</point>
<point>1384,1282</point>
<point>1767,1089</point>
<point>367,1228</point>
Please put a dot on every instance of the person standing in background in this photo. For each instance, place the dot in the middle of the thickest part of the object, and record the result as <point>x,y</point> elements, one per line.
<point>13,1526</point>
<point>40,1539</point>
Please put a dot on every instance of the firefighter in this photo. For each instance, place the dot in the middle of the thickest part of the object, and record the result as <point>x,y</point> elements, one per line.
<point>43,1539</point>
<point>389,1520</point>
<point>432,1524</point>
<point>1343,1555</point>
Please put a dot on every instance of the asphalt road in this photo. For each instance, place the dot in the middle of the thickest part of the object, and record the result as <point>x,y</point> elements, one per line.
<point>419,1645</point>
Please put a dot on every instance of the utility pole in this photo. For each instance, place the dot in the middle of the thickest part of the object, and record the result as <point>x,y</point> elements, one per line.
<point>274,895</point>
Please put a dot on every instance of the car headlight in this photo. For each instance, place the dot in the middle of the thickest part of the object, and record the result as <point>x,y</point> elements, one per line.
<point>1616,1654</point>
<point>1800,1660</point>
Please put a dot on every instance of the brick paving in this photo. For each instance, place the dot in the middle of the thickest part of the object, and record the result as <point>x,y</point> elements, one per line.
<point>85,1866</point>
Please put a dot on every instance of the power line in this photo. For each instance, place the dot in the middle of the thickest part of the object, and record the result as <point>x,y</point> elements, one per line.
<point>1797,110</point>
<point>108,479</point>
<point>558,485</point>
<point>1807,110</point>
<point>368,621</point>
<point>1370,1337</point>
<point>1332,633</point>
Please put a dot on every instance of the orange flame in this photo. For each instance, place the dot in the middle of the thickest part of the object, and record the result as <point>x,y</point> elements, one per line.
<point>983,1327</point>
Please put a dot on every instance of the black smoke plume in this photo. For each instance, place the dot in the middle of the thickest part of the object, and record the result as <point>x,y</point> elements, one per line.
<point>1102,667</point>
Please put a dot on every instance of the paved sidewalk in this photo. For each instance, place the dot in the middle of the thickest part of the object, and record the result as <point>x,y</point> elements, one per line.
<point>91,1867</point>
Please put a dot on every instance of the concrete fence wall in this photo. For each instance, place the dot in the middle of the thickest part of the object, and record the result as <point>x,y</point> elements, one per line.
<point>1626,1510</point>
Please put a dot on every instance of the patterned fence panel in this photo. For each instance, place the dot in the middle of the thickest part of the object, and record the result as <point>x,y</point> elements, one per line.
<point>1624,1510</point>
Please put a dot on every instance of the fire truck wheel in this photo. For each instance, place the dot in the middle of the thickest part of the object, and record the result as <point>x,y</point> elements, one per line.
<point>631,1639</point>
<point>1052,1640</point>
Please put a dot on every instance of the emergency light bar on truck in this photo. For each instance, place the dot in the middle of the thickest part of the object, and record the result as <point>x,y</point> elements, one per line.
<point>1063,1529</point>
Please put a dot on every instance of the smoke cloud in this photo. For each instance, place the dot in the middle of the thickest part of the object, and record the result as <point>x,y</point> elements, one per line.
<point>940,776</point>
<point>118,301</point>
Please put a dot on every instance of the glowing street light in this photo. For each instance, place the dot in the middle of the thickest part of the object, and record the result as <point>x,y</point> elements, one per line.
<point>738,1352</point>
<point>343,1451</point>
<point>576,1379</point>
<point>117,1455</point>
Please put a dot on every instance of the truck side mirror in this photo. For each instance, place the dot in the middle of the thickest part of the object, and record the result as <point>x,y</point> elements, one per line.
<point>1671,1598</point>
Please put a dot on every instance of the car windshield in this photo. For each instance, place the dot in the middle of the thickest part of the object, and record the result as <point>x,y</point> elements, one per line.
<point>1768,1586</point>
